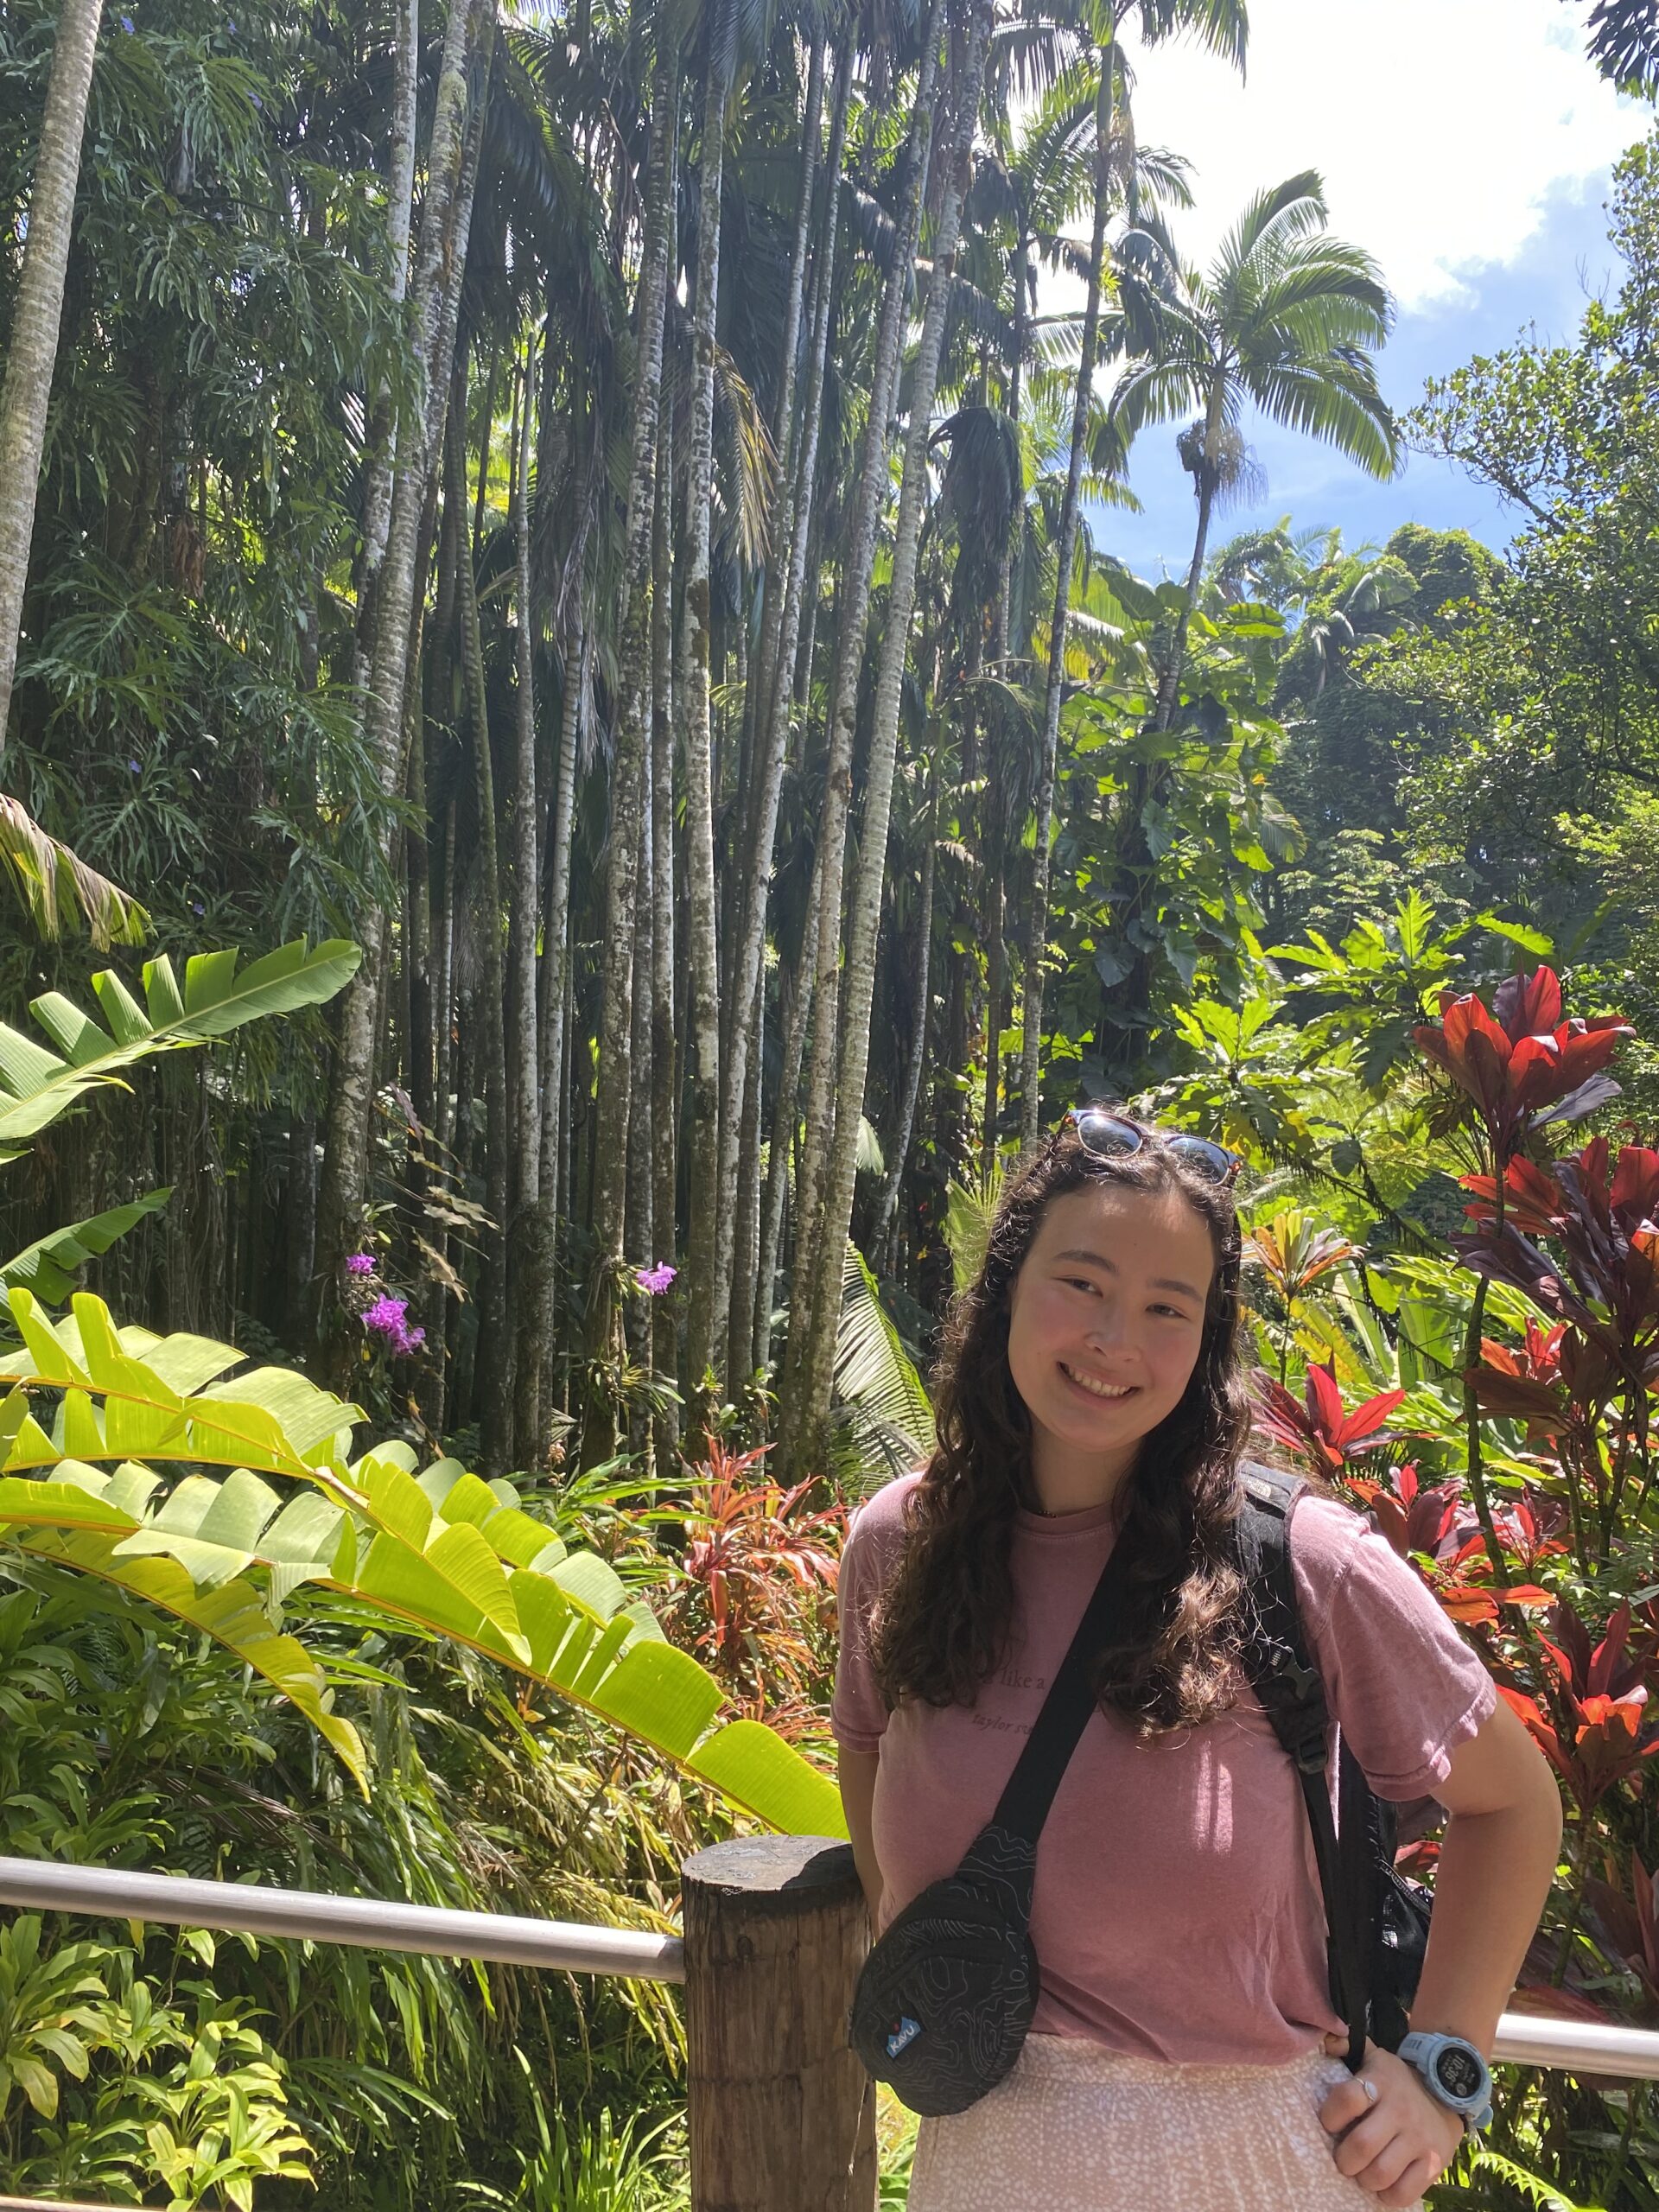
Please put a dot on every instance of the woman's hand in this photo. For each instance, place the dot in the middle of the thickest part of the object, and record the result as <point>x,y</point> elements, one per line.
<point>1397,2144</point>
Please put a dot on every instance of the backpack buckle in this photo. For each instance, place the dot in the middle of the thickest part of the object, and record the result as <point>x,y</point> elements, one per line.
<point>1304,1698</point>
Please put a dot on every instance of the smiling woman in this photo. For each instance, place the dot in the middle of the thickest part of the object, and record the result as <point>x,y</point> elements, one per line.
<point>1090,1421</point>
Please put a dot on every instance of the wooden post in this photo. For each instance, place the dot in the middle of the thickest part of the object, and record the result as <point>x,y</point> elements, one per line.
<point>782,2115</point>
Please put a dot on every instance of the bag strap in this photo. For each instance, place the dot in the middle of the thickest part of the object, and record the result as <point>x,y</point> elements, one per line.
<point>1287,1681</point>
<point>1025,1802</point>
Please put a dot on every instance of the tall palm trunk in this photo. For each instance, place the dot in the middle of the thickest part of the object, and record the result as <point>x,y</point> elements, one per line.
<point>764,777</point>
<point>898,1150</point>
<point>526,1074</point>
<point>492,1340</point>
<point>435,305</point>
<point>692,687</point>
<point>822,956</point>
<point>1206,483</point>
<point>996,983</point>
<point>1011,551</point>
<point>866,902</point>
<point>32,354</point>
<point>1037,913</point>
<point>555,993</point>
<point>1130,1004</point>
<point>400,204</point>
<point>795,1009</point>
<point>616,1003</point>
<point>758,1295</point>
<point>640,1223</point>
<point>525,917</point>
<point>740,1317</point>
<point>664,1096</point>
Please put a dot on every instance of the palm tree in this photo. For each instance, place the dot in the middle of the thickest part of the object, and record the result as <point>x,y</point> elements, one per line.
<point>1285,319</point>
<point>615,1055</point>
<point>815,1376</point>
<point>453,154</point>
<point>1624,44</point>
<point>33,351</point>
<point>1220,24</point>
<point>821,960</point>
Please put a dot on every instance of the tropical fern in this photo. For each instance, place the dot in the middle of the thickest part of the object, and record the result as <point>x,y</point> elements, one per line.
<point>440,1551</point>
<point>1542,2194</point>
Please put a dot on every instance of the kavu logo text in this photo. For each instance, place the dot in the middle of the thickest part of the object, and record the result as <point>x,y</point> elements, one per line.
<point>903,2036</point>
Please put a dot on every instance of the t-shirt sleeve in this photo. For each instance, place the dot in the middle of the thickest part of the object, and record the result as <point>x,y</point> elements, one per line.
<point>1404,1687</point>
<point>858,1713</point>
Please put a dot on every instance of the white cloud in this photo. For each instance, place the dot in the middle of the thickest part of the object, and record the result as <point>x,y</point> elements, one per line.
<point>1440,126</point>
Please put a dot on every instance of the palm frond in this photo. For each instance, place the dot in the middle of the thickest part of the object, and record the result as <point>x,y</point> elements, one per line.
<point>885,1414</point>
<point>1335,398</point>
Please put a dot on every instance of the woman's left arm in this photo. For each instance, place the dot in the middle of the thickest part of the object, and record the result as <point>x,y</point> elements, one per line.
<point>1496,1862</point>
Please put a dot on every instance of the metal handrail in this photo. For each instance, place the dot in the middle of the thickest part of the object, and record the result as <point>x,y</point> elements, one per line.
<point>368,1923</point>
<point>372,1923</point>
<point>56,2205</point>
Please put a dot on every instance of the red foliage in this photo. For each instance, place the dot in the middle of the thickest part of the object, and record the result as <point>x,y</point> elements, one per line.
<point>1528,1064</point>
<point>1319,1429</point>
<point>1627,1929</point>
<point>753,1551</point>
<point>1413,1515</point>
<point>1596,1732</point>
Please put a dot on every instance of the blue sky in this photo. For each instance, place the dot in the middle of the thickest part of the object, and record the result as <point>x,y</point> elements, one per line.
<point>1467,144</point>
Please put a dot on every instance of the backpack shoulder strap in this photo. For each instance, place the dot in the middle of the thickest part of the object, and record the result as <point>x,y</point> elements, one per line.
<point>1287,1681</point>
<point>1282,1673</point>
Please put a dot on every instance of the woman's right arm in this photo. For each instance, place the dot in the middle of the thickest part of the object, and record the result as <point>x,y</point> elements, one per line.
<point>856,1772</point>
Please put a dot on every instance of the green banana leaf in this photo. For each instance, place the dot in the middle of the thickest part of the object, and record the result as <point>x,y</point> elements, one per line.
<point>47,1267</point>
<point>37,1084</point>
<point>440,1550</point>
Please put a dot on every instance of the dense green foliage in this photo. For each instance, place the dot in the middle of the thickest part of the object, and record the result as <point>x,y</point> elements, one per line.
<point>651,589</point>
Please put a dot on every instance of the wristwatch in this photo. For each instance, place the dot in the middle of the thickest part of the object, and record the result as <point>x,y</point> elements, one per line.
<point>1455,2074</point>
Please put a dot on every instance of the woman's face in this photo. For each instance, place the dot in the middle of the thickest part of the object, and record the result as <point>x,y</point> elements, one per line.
<point>1106,1318</point>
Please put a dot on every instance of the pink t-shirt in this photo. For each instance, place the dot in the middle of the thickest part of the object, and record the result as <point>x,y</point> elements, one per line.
<point>1177,1911</point>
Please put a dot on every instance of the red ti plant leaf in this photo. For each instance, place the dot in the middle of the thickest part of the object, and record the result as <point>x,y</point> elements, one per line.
<point>1320,1430</point>
<point>1459,1582</point>
<point>1527,1065</point>
<point>1413,1515</point>
<point>1627,1929</point>
<point>1599,1214</point>
<point>1599,1732</point>
<point>1539,1357</point>
<point>1525,1385</point>
<point>1529,1528</point>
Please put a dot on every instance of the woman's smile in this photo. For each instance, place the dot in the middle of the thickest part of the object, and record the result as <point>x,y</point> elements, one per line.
<point>1109,1392</point>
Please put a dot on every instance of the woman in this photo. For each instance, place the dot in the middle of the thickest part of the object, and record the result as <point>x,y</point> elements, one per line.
<point>1091,1394</point>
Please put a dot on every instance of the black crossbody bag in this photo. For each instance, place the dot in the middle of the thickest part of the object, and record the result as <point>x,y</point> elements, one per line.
<point>947,1994</point>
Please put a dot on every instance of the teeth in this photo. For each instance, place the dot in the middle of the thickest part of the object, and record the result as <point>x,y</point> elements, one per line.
<point>1099,1389</point>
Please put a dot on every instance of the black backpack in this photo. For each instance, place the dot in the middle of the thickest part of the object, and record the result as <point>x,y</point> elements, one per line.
<point>1378,1921</point>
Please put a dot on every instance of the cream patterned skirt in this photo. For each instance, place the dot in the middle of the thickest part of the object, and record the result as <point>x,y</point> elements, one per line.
<point>1076,2128</point>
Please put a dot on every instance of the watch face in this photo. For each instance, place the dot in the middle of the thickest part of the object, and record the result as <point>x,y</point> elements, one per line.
<point>1458,2072</point>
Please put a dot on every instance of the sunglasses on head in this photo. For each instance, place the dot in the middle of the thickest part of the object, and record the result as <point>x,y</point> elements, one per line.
<point>1109,1136</point>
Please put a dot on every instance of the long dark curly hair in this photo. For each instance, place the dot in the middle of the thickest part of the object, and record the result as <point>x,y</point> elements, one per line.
<point>943,1624</point>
